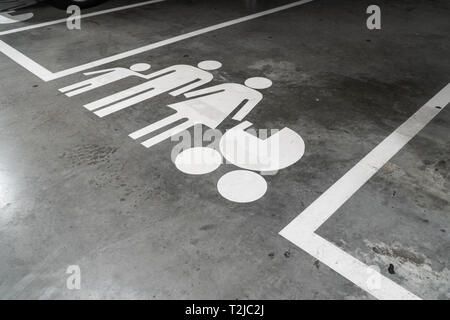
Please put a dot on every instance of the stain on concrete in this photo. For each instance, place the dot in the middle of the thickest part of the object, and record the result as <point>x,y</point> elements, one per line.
<point>410,268</point>
<point>88,154</point>
<point>317,264</point>
<point>281,71</point>
<point>391,269</point>
<point>207,227</point>
<point>399,252</point>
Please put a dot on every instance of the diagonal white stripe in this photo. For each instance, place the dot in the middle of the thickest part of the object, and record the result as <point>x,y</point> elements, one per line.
<point>44,76</point>
<point>93,14</point>
<point>301,230</point>
<point>333,198</point>
<point>349,267</point>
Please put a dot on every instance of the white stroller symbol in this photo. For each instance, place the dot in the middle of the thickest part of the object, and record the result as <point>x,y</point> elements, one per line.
<point>246,151</point>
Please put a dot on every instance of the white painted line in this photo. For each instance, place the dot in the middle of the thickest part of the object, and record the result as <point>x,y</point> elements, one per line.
<point>301,230</point>
<point>185,36</point>
<point>26,62</point>
<point>332,199</point>
<point>351,268</point>
<point>126,54</point>
<point>93,14</point>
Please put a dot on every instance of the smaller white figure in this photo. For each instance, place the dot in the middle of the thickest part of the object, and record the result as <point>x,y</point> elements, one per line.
<point>107,76</point>
<point>7,18</point>
<point>176,80</point>
<point>209,107</point>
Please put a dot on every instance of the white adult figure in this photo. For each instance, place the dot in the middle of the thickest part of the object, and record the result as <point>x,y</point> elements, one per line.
<point>179,78</point>
<point>107,76</point>
<point>209,106</point>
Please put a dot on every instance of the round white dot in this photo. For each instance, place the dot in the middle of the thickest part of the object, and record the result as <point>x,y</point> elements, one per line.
<point>258,83</point>
<point>199,160</point>
<point>209,65</point>
<point>242,186</point>
<point>139,67</point>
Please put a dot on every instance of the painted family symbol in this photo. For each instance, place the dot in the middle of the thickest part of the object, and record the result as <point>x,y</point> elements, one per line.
<point>207,106</point>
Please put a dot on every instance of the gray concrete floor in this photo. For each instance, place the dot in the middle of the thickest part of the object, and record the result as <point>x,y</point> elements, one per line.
<point>76,190</point>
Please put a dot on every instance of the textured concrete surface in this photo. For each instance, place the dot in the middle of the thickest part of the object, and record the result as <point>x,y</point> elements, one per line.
<point>76,190</point>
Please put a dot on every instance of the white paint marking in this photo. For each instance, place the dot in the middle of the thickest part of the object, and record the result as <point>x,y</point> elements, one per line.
<point>198,160</point>
<point>219,101</point>
<point>258,83</point>
<point>26,62</point>
<point>332,199</point>
<point>154,126</point>
<point>105,77</point>
<point>281,150</point>
<point>242,186</point>
<point>316,246</point>
<point>349,267</point>
<point>183,77</point>
<point>167,134</point>
<point>93,14</point>
<point>301,230</point>
<point>209,65</point>
<point>126,54</point>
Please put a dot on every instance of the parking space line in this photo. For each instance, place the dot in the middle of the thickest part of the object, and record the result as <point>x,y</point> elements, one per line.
<point>93,14</point>
<point>301,230</point>
<point>48,75</point>
<point>352,268</point>
<point>26,62</point>
<point>333,198</point>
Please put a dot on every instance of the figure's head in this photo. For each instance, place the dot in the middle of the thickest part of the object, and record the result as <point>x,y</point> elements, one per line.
<point>209,65</point>
<point>258,83</point>
<point>140,67</point>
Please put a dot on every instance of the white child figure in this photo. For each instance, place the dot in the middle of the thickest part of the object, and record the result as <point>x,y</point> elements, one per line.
<point>107,76</point>
<point>176,80</point>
